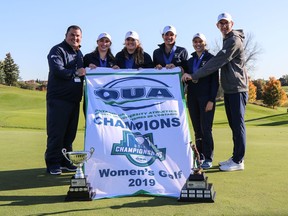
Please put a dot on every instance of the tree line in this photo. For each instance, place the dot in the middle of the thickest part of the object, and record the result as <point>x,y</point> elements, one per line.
<point>270,92</point>
<point>10,75</point>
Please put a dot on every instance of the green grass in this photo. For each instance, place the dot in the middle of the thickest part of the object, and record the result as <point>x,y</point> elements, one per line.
<point>25,188</point>
<point>27,109</point>
<point>24,109</point>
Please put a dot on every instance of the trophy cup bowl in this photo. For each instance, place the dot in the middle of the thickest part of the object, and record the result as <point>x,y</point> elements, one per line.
<point>77,158</point>
<point>80,189</point>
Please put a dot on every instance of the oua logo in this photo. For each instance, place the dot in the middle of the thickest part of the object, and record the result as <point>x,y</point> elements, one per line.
<point>128,94</point>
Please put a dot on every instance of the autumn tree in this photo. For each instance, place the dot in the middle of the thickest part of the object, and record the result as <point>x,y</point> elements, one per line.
<point>11,70</point>
<point>273,94</point>
<point>283,99</point>
<point>252,92</point>
<point>259,83</point>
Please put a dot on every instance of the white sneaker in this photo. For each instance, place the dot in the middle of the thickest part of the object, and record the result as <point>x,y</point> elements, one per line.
<point>232,166</point>
<point>225,162</point>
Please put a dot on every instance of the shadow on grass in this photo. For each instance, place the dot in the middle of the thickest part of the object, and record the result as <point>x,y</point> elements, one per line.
<point>268,118</point>
<point>160,200</point>
<point>31,179</point>
<point>219,103</point>
<point>30,200</point>
<point>155,202</point>
<point>38,178</point>
<point>274,123</point>
<point>279,123</point>
<point>71,211</point>
<point>213,169</point>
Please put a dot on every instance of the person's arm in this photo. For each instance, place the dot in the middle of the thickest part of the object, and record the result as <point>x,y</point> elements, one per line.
<point>119,60</point>
<point>225,55</point>
<point>154,58</point>
<point>158,60</point>
<point>184,61</point>
<point>148,63</point>
<point>86,60</point>
<point>214,85</point>
<point>56,59</point>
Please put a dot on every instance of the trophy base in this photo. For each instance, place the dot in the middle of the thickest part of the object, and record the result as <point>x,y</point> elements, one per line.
<point>197,189</point>
<point>197,195</point>
<point>79,190</point>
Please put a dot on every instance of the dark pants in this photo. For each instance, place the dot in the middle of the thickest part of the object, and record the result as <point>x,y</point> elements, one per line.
<point>62,122</point>
<point>235,105</point>
<point>202,124</point>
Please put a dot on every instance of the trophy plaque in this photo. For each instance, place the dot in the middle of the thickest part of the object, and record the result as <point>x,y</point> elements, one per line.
<point>197,188</point>
<point>80,189</point>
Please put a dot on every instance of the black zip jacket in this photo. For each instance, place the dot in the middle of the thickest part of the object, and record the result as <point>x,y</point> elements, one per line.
<point>63,84</point>
<point>207,86</point>
<point>93,58</point>
<point>179,59</point>
<point>120,61</point>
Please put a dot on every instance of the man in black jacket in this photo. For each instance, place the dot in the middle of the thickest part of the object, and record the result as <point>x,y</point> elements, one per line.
<point>64,93</point>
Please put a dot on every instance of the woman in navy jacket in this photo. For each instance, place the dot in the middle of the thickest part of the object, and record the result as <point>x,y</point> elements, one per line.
<point>201,97</point>
<point>169,55</point>
<point>132,56</point>
<point>100,57</point>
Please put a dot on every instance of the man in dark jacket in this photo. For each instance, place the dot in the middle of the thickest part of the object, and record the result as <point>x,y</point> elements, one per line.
<point>234,81</point>
<point>64,93</point>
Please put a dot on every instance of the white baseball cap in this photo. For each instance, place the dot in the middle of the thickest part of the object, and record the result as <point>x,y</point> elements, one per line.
<point>169,28</point>
<point>104,34</point>
<point>132,34</point>
<point>225,16</point>
<point>201,36</point>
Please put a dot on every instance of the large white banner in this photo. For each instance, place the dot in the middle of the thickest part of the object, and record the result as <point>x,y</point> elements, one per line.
<point>136,121</point>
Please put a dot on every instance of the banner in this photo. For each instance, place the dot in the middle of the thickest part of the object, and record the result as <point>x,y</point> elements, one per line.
<point>136,121</point>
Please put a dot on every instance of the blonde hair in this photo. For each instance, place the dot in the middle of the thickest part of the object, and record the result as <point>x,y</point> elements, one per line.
<point>138,54</point>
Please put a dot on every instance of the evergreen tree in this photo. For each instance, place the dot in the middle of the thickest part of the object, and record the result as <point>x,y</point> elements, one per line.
<point>2,75</point>
<point>273,94</point>
<point>11,71</point>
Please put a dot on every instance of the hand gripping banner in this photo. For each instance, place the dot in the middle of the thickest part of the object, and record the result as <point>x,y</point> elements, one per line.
<point>136,121</point>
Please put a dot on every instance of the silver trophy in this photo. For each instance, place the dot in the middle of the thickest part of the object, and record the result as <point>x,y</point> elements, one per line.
<point>77,158</point>
<point>80,189</point>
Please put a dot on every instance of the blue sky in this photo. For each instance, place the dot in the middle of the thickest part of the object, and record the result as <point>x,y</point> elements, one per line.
<point>30,28</point>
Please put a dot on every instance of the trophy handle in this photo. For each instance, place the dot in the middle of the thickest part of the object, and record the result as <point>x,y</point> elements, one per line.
<point>91,153</point>
<point>64,151</point>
